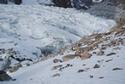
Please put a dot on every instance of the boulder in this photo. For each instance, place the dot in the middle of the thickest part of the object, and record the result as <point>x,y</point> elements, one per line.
<point>69,57</point>
<point>4,76</point>
<point>85,55</point>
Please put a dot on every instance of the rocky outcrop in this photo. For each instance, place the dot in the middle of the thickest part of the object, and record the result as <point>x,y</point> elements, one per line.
<point>96,44</point>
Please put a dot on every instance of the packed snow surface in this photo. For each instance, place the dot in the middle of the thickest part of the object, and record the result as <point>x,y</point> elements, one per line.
<point>28,28</point>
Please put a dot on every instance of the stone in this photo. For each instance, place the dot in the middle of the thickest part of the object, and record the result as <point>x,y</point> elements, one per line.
<point>56,67</point>
<point>84,65</point>
<point>57,60</point>
<point>56,75</point>
<point>91,76</point>
<point>69,65</point>
<point>81,70</point>
<point>101,77</point>
<point>110,54</point>
<point>114,69</point>
<point>85,55</point>
<point>96,66</point>
<point>115,42</point>
<point>100,53</point>
<point>4,76</point>
<point>66,66</point>
<point>109,60</point>
<point>69,57</point>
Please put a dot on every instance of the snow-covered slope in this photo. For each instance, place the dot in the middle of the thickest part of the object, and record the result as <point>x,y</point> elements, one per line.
<point>28,28</point>
<point>105,68</point>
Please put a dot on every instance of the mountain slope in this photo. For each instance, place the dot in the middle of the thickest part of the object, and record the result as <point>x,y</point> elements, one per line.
<point>27,29</point>
<point>105,68</point>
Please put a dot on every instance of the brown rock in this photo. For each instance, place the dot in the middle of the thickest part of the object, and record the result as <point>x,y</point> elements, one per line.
<point>109,60</point>
<point>69,57</point>
<point>115,42</point>
<point>85,55</point>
